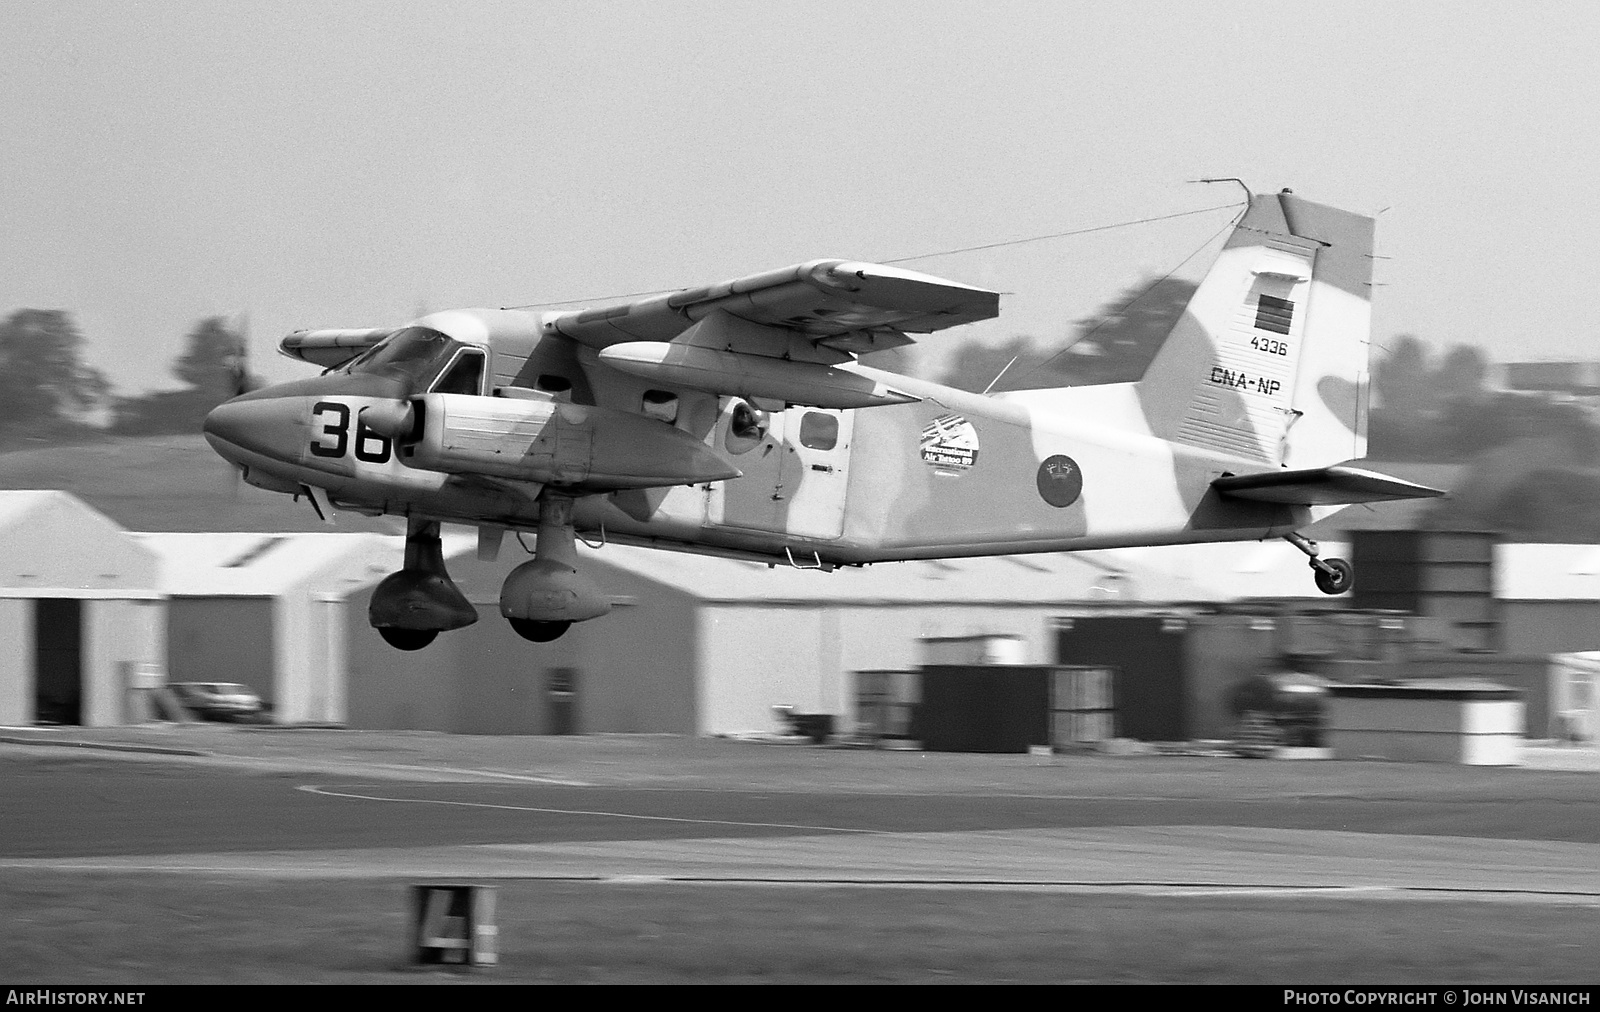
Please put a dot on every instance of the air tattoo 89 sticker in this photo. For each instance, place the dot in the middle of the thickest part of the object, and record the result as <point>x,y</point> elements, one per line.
<point>950,443</point>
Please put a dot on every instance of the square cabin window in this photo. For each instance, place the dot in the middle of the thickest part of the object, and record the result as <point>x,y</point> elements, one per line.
<point>819,431</point>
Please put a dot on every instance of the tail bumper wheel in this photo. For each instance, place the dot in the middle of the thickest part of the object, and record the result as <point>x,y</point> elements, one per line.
<point>1334,576</point>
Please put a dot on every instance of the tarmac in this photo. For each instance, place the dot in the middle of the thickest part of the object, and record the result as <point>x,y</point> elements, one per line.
<point>238,800</point>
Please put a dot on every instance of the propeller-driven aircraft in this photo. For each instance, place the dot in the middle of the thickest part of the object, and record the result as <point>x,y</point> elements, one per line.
<point>735,419</point>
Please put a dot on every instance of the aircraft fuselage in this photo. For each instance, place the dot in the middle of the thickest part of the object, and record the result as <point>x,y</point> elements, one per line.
<point>952,474</point>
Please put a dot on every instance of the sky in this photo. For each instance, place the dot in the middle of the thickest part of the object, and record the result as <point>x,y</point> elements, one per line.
<point>343,164</point>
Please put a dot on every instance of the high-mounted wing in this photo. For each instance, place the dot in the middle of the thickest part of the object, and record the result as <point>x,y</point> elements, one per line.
<point>1339,485</point>
<point>843,305</point>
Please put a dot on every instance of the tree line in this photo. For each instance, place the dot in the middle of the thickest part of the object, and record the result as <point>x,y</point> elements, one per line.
<point>48,392</point>
<point>1424,409</point>
<point>1531,464</point>
<point>1442,410</point>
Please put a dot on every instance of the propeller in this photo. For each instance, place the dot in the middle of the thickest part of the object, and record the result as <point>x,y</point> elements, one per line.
<point>239,377</point>
<point>240,381</point>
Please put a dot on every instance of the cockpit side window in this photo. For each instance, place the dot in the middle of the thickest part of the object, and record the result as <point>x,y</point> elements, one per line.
<point>464,375</point>
<point>412,354</point>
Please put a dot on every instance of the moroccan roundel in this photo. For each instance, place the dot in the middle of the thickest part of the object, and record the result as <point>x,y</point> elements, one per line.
<point>1060,481</point>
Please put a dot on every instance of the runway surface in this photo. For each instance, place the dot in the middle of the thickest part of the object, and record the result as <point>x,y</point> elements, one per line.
<point>642,810</point>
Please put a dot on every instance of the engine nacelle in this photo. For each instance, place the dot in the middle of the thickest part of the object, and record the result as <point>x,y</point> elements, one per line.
<point>559,443</point>
<point>726,372</point>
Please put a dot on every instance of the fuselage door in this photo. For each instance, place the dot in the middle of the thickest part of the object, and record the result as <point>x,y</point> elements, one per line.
<point>814,470</point>
<point>795,475</point>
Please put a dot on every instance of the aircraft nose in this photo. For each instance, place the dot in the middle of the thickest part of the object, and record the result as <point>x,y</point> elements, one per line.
<point>268,426</point>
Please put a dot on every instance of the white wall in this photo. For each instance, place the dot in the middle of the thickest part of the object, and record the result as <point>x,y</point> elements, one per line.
<point>117,635</point>
<point>890,636</point>
<point>291,647</point>
<point>753,657</point>
<point>328,633</point>
<point>16,662</point>
<point>307,635</point>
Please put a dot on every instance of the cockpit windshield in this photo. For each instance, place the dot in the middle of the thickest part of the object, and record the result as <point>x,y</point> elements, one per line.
<point>413,354</point>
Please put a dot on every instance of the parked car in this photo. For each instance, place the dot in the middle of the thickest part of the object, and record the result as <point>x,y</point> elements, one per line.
<point>1284,706</point>
<point>219,700</point>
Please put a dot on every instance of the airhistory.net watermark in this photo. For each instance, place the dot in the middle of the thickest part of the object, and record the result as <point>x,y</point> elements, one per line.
<point>58,996</point>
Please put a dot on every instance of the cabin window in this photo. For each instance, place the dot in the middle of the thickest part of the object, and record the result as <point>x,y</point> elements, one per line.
<point>746,422</point>
<point>747,428</point>
<point>465,375</point>
<point>661,405</point>
<point>411,354</point>
<point>552,383</point>
<point>819,431</point>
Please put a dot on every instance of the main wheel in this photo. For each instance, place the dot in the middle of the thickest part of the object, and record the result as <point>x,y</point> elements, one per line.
<point>407,639</point>
<point>1339,580</point>
<point>538,632</point>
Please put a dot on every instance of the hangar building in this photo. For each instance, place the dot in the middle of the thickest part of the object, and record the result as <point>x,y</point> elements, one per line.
<point>80,614</point>
<point>90,614</point>
<point>701,645</point>
<point>1547,596</point>
<point>266,610</point>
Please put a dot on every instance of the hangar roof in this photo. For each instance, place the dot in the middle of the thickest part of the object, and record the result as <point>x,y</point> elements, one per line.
<point>1547,572</point>
<point>261,565</point>
<point>17,504</point>
<point>266,565</point>
<point>1177,573</point>
<point>52,545</point>
<point>1235,570</point>
<point>1170,574</point>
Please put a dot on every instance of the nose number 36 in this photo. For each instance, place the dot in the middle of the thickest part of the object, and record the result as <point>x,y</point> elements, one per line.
<point>334,439</point>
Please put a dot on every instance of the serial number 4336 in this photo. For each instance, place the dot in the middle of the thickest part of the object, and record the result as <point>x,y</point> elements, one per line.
<point>1269,345</point>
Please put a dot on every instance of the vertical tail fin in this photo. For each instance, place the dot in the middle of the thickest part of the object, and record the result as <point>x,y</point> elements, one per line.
<point>1269,361</point>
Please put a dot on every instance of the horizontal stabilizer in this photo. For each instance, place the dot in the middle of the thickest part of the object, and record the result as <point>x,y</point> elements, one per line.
<point>1339,485</point>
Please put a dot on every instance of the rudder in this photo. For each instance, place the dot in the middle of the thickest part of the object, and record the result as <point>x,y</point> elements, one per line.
<point>1269,361</point>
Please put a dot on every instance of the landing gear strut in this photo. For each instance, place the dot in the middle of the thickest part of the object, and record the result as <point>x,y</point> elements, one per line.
<point>1333,576</point>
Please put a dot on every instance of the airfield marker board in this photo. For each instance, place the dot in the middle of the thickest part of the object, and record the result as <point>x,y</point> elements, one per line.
<point>454,924</point>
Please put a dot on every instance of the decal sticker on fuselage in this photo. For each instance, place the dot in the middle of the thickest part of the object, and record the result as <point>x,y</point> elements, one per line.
<point>950,443</point>
<point>1060,481</point>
